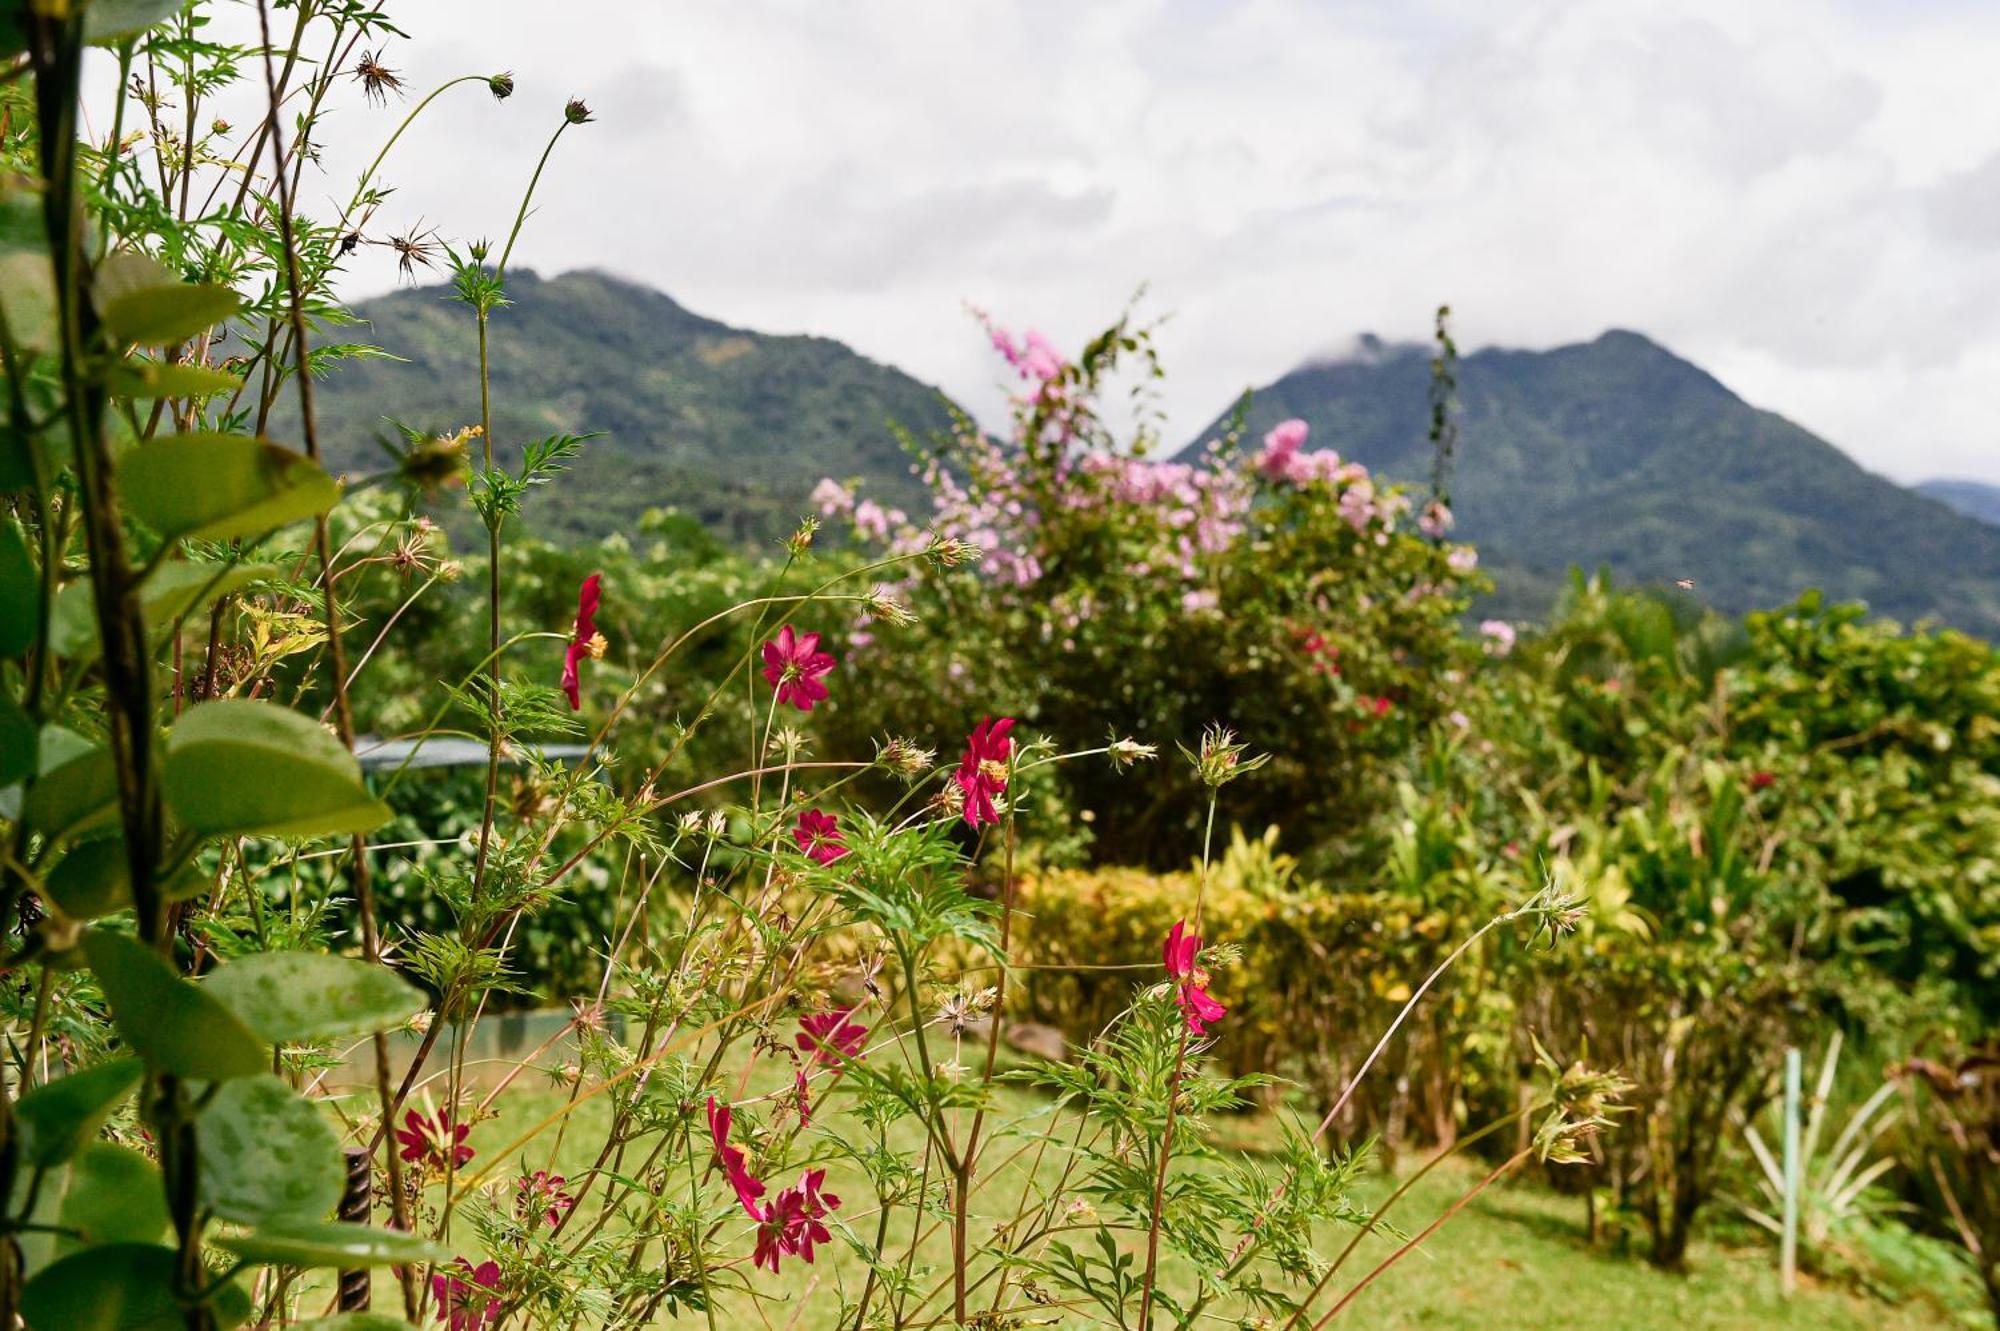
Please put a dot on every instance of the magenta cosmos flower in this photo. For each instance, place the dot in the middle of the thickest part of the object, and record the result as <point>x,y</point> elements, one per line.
<point>819,836</point>
<point>831,1037</point>
<point>982,772</point>
<point>436,1141</point>
<point>467,1295</point>
<point>794,1224</point>
<point>749,1190</point>
<point>795,664</point>
<point>1181,953</point>
<point>584,641</point>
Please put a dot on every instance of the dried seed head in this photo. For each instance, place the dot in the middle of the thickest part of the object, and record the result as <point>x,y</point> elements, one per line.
<point>903,757</point>
<point>377,79</point>
<point>576,112</point>
<point>501,86</point>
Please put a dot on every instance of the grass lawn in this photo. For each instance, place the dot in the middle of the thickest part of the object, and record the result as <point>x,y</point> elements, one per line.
<point>1516,1257</point>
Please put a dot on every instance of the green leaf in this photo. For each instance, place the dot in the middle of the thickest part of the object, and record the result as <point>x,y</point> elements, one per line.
<point>213,487</point>
<point>27,277</point>
<point>58,1117</point>
<point>20,742</point>
<point>152,379</point>
<point>108,22</point>
<point>242,768</point>
<point>332,1243</point>
<point>120,1287</point>
<point>92,880</point>
<point>54,747</point>
<point>106,1194</point>
<point>76,797</point>
<point>172,590</point>
<point>267,1155</point>
<point>20,592</point>
<point>170,1022</point>
<point>167,314</point>
<point>292,997</point>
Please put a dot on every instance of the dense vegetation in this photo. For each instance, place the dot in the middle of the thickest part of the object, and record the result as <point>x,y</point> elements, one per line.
<point>1305,875</point>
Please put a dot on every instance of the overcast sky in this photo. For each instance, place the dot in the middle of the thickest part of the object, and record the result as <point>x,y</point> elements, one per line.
<point>1802,196</point>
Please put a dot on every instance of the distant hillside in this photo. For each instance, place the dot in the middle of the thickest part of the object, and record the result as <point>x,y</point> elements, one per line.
<point>1975,499</point>
<point>1617,452</point>
<point>732,426</point>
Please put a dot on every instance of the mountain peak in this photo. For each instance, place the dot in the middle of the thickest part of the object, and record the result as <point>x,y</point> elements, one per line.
<point>1616,452</point>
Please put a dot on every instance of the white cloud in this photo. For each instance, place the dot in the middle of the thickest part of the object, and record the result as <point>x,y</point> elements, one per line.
<point>1797,194</point>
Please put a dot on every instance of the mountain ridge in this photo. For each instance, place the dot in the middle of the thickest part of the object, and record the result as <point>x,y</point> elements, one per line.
<point>1612,453</point>
<point>1618,453</point>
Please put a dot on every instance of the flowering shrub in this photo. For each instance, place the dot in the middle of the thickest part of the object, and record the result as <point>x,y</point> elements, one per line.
<point>1275,588</point>
<point>794,982</point>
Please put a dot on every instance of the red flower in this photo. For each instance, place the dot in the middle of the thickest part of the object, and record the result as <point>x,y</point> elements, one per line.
<point>748,1189</point>
<point>805,1098</point>
<point>831,1037</point>
<point>543,1192</point>
<point>1762,780</point>
<point>795,664</point>
<point>794,1223</point>
<point>460,1305</point>
<point>433,1140</point>
<point>982,772</point>
<point>584,641</point>
<point>1181,953</point>
<point>819,836</point>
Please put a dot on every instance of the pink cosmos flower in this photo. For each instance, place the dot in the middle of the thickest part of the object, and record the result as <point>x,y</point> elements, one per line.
<point>795,1222</point>
<point>831,1037</point>
<point>434,1140</point>
<point>1181,954</point>
<point>749,1190</point>
<point>584,641</point>
<point>795,664</point>
<point>982,772</point>
<point>463,1304</point>
<point>542,1192</point>
<point>819,836</point>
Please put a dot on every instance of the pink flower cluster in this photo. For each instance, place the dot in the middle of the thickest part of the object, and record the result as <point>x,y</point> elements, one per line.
<point>795,1220</point>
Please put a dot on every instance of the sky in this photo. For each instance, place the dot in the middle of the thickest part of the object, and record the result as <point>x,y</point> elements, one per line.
<point>1801,196</point>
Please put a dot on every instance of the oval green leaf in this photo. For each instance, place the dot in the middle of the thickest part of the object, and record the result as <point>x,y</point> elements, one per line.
<point>292,997</point>
<point>216,486</point>
<point>78,796</point>
<point>152,379</point>
<point>20,742</point>
<point>242,768</point>
<point>165,315</point>
<point>111,21</point>
<point>120,1287</point>
<point>267,1156</point>
<point>171,591</point>
<point>20,590</point>
<point>106,1194</point>
<point>170,1022</point>
<point>92,880</point>
<point>332,1243</point>
<point>58,1117</point>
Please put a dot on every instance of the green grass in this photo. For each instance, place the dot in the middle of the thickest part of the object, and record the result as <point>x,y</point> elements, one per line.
<point>1515,1257</point>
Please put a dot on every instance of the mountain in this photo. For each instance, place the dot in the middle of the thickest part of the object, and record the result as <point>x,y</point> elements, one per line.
<point>1975,499</point>
<point>1618,453</point>
<point>732,426</point>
